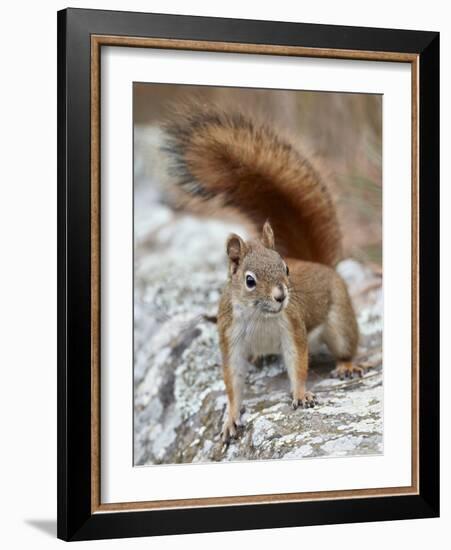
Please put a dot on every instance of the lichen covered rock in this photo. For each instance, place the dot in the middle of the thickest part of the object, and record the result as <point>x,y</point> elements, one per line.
<point>179,396</point>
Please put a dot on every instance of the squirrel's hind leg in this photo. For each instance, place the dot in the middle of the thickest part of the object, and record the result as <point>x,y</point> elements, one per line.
<point>341,335</point>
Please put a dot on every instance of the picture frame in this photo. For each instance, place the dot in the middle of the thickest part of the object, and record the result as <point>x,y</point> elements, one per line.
<point>81,36</point>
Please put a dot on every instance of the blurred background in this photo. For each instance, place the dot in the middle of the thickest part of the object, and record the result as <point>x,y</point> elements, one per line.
<point>342,130</point>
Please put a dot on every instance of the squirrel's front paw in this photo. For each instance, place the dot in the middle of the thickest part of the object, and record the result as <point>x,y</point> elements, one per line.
<point>230,429</point>
<point>307,401</point>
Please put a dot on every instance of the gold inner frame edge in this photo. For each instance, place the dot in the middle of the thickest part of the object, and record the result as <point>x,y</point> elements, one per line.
<point>97,41</point>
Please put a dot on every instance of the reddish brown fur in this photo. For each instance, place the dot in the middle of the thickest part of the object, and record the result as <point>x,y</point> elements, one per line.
<point>221,159</point>
<point>315,298</point>
<point>223,162</point>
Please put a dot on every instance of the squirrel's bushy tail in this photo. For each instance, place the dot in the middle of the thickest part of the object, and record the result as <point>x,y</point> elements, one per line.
<point>226,159</point>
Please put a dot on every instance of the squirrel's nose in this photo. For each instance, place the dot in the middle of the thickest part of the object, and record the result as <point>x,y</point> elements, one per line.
<point>278,293</point>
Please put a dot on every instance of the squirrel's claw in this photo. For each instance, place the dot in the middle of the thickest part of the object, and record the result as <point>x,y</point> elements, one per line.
<point>229,431</point>
<point>347,370</point>
<point>307,402</point>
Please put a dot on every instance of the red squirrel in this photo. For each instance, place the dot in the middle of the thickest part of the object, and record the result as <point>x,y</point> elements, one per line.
<point>282,286</point>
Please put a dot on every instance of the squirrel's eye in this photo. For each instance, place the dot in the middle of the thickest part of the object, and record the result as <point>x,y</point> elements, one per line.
<point>250,282</point>
<point>288,271</point>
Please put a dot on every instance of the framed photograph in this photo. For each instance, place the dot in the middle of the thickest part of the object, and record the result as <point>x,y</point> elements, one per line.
<point>248,274</point>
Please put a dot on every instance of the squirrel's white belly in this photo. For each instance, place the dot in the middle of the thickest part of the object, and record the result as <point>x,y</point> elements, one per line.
<point>258,336</point>
<point>315,339</point>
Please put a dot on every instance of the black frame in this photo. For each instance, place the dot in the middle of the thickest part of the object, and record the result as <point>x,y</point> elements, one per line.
<point>75,520</point>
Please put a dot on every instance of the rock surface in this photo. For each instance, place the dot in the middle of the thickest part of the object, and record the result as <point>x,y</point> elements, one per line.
<point>179,395</point>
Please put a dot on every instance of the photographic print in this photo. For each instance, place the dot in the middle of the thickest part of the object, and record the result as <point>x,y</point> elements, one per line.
<point>258,296</point>
<point>245,212</point>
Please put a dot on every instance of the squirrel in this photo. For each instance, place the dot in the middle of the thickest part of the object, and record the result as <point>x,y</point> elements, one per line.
<point>282,288</point>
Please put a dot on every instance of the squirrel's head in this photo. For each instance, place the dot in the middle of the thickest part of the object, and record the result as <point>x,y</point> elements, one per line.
<point>258,274</point>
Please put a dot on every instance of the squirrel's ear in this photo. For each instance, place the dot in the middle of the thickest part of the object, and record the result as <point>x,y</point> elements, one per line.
<point>235,250</point>
<point>268,235</point>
